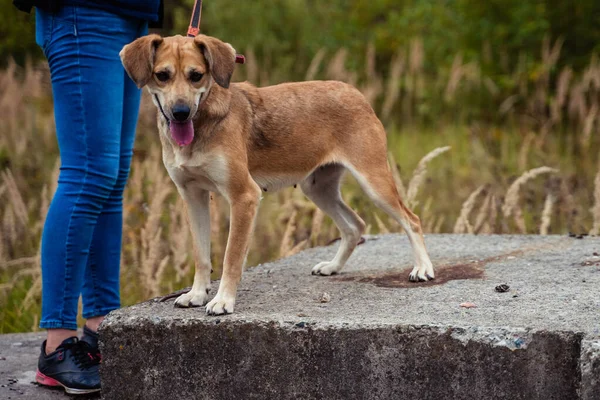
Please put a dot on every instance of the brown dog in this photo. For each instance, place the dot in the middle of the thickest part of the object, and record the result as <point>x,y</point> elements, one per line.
<point>239,140</point>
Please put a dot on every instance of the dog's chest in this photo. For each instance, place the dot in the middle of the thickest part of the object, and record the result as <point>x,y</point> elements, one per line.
<point>208,172</point>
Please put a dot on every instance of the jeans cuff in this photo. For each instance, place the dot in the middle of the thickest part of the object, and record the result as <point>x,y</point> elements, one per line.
<point>58,325</point>
<point>100,312</point>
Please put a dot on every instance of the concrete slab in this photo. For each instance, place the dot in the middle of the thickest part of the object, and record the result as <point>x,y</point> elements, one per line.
<point>374,335</point>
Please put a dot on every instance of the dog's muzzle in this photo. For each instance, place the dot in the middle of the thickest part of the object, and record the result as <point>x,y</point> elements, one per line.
<point>181,128</point>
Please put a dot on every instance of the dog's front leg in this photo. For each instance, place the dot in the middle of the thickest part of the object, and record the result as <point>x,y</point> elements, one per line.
<point>198,207</point>
<point>244,206</point>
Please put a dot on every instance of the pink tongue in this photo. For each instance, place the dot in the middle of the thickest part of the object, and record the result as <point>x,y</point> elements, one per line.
<point>182,133</point>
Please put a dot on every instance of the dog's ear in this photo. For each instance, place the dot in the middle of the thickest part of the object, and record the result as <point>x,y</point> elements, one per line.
<point>219,56</point>
<point>138,58</point>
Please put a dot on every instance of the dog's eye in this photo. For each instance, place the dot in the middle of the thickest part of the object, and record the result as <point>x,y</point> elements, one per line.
<point>162,76</point>
<point>195,76</point>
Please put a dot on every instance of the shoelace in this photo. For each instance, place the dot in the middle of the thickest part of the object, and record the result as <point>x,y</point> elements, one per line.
<point>83,354</point>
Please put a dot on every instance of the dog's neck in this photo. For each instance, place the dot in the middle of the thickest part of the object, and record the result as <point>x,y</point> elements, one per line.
<point>215,106</point>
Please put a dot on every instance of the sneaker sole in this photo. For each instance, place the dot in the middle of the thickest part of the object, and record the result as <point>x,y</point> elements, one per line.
<point>47,381</point>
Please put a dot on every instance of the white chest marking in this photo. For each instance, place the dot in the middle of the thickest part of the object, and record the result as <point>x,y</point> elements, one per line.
<point>209,171</point>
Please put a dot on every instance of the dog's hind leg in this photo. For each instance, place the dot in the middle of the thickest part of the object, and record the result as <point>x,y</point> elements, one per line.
<point>198,207</point>
<point>323,188</point>
<point>375,177</point>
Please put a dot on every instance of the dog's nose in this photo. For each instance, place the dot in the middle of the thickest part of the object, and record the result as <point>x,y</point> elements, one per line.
<point>181,112</point>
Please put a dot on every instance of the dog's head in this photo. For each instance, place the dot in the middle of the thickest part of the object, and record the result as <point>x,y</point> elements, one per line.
<point>179,72</point>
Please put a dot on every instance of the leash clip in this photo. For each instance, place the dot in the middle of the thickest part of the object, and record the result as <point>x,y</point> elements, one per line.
<point>192,31</point>
<point>194,28</point>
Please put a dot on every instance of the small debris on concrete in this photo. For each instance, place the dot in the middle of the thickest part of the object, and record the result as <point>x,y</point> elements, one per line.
<point>503,288</point>
<point>301,324</point>
<point>325,298</point>
<point>468,304</point>
<point>519,343</point>
<point>588,263</point>
<point>302,314</point>
<point>596,254</point>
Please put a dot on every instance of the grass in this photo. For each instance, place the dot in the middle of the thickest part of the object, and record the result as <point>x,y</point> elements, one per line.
<point>536,171</point>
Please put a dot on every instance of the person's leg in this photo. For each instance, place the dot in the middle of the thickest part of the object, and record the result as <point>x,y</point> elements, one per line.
<point>87,81</point>
<point>52,317</point>
<point>101,284</point>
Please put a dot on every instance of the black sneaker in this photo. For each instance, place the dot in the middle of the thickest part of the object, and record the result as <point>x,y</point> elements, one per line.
<point>73,365</point>
<point>91,338</point>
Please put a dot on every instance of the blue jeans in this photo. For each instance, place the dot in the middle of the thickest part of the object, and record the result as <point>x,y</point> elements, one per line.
<point>96,108</point>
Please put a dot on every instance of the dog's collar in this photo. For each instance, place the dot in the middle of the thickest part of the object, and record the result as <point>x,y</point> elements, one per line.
<point>161,109</point>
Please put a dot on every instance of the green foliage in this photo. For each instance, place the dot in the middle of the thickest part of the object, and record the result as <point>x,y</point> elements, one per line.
<point>578,23</point>
<point>14,317</point>
<point>504,38</point>
<point>17,34</point>
<point>479,30</point>
<point>294,30</point>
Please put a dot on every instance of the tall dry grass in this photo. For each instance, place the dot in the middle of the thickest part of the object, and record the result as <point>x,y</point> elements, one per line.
<point>538,173</point>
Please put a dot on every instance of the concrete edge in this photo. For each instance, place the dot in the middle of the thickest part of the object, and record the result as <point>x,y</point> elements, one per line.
<point>513,338</point>
<point>589,365</point>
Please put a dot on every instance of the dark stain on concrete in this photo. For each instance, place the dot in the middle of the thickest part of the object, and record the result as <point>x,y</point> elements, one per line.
<point>394,279</point>
<point>464,269</point>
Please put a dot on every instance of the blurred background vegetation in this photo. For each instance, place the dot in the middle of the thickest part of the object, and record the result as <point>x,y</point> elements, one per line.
<point>512,87</point>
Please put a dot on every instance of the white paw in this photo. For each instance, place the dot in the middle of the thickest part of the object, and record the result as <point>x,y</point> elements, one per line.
<point>220,305</point>
<point>326,268</point>
<point>422,273</point>
<point>193,298</point>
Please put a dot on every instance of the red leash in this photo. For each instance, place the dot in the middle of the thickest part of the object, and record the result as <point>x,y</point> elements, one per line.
<point>194,28</point>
